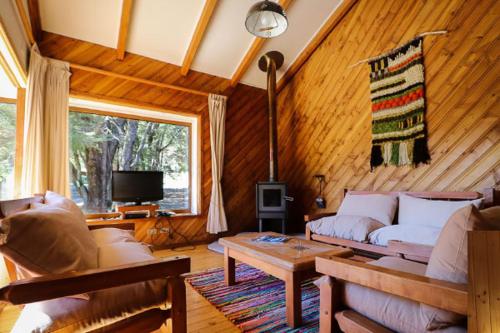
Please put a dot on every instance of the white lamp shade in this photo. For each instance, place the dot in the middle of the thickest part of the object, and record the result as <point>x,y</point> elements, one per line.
<point>266,19</point>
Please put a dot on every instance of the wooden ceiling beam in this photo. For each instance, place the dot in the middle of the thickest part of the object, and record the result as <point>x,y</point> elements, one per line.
<point>35,20</point>
<point>199,32</point>
<point>334,19</point>
<point>252,52</point>
<point>124,27</point>
<point>138,80</point>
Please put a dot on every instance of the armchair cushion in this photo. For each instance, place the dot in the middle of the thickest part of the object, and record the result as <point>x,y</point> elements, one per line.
<point>448,261</point>
<point>104,236</point>
<point>105,306</point>
<point>47,240</point>
<point>393,312</point>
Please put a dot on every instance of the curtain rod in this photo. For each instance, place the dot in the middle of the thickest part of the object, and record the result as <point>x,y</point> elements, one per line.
<point>436,32</point>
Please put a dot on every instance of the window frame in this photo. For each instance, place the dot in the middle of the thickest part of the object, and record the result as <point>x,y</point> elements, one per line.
<point>18,137</point>
<point>192,195</point>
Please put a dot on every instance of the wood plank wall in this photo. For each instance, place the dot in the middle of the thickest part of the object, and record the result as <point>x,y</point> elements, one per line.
<point>246,125</point>
<point>324,112</point>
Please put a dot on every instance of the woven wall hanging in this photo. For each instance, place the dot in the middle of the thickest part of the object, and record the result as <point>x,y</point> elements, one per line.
<point>399,134</point>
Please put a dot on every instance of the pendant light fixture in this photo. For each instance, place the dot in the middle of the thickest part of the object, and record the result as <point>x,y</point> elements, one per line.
<point>266,19</point>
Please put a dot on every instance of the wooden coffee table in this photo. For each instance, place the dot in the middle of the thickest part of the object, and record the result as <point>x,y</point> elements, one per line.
<point>286,261</point>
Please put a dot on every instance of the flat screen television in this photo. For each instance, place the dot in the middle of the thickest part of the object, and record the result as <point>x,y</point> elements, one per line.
<point>137,186</point>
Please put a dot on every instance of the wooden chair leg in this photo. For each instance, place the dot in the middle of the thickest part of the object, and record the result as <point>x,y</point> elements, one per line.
<point>328,305</point>
<point>308,233</point>
<point>177,294</point>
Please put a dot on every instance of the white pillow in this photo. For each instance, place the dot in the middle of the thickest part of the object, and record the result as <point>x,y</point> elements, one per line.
<point>418,234</point>
<point>377,206</point>
<point>350,227</point>
<point>433,213</point>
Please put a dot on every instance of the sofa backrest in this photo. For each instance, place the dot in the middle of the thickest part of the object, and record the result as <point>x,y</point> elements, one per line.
<point>490,197</point>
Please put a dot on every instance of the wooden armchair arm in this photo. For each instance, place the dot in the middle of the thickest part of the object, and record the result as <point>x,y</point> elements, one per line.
<point>67,284</point>
<point>412,251</point>
<point>441,294</point>
<point>110,224</point>
<point>312,217</point>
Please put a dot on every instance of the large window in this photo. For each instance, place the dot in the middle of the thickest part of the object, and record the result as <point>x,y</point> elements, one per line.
<point>7,149</point>
<point>103,143</point>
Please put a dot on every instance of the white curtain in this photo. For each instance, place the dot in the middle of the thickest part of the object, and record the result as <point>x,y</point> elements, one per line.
<point>217,112</point>
<point>45,153</point>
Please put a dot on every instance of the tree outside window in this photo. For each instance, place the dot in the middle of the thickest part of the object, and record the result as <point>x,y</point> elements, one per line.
<point>7,149</point>
<point>101,144</point>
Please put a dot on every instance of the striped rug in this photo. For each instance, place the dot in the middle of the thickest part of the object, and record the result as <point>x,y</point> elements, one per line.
<point>257,302</point>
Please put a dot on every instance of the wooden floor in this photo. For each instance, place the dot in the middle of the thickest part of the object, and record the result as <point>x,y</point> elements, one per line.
<point>202,317</point>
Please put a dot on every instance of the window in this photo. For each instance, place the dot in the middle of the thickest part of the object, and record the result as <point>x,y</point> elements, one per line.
<point>103,143</point>
<point>7,149</point>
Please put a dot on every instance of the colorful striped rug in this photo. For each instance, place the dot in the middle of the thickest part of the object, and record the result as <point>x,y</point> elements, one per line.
<point>257,302</point>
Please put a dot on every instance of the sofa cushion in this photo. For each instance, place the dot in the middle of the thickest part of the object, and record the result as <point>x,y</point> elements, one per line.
<point>54,199</point>
<point>492,217</point>
<point>377,206</point>
<point>47,240</point>
<point>432,213</point>
<point>349,227</point>
<point>104,236</point>
<point>448,261</point>
<point>105,306</point>
<point>406,233</point>
<point>393,312</point>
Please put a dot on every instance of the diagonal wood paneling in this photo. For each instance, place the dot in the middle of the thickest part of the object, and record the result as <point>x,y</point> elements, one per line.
<point>324,111</point>
<point>246,124</point>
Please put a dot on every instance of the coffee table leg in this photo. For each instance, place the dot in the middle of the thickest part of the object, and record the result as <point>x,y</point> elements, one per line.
<point>229,268</point>
<point>293,300</point>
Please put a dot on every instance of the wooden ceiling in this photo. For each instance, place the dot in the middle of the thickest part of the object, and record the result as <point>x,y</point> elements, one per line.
<point>205,35</point>
<point>86,83</point>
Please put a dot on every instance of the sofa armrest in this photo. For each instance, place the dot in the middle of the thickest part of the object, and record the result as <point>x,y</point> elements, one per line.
<point>411,251</point>
<point>67,284</point>
<point>312,217</point>
<point>441,294</point>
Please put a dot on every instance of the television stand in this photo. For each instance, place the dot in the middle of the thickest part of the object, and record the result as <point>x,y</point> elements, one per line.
<point>129,208</point>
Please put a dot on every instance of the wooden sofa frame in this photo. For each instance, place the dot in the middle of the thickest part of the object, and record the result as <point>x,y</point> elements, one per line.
<point>410,251</point>
<point>333,318</point>
<point>60,285</point>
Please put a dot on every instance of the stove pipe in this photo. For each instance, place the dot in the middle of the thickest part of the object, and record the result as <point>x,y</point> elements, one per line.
<point>269,63</point>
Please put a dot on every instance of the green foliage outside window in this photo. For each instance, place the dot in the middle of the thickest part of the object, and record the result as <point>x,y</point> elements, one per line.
<point>7,148</point>
<point>101,144</point>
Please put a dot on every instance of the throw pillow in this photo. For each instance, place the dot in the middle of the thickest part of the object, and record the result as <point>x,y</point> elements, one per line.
<point>47,240</point>
<point>432,213</point>
<point>54,199</point>
<point>448,261</point>
<point>377,206</point>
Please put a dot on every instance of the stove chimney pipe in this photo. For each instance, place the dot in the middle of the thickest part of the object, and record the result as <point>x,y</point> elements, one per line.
<point>269,63</point>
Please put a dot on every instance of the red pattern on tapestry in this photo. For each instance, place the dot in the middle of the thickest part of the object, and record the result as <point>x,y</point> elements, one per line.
<point>399,101</point>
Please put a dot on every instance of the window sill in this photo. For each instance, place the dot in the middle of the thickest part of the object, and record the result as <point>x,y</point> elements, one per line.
<point>104,218</point>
